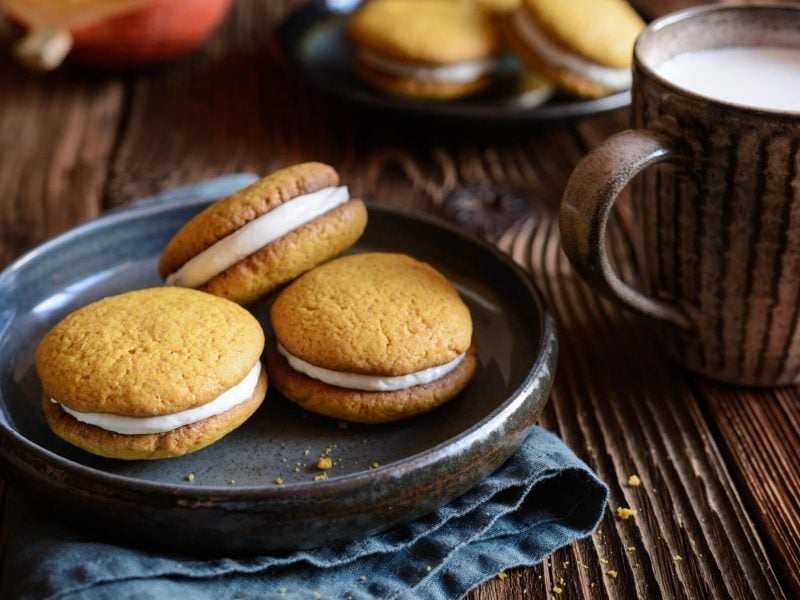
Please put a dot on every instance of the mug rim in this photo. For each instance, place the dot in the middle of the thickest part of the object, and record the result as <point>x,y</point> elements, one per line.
<point>690,13</point>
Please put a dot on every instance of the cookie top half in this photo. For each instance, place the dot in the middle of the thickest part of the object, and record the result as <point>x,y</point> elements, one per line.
<point>373,313</point>
<point>602,31</point>
<point>227,216</point>
<point>148,353</point>
<point>433,31</point>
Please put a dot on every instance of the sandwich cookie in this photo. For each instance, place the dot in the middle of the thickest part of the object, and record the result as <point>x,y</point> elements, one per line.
<point>371,338</point>
<point>432,50</point>
<point>584,46</point>
<point>257,239</point>
<point>154,373</point>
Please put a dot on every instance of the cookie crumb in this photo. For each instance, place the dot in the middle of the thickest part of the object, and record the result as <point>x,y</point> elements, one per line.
<point>178,565</point>
<point>502,575</point>
<point>557,590</point>
<point>278,481</point>
<point>297,469</point>
<point>428,568</point>
<point>320,476</point>
<point>307,451</point>
<point>231,482</point>
<point>631,548</point>
<point>317,595</point>
<point>612,573</point>
<point>324,463</point>
<point>363,578</point>
<point>623,514</point>
<point>565,564</point>
<point>375,465</point>
<point>603,561</point>
<point>677,558</point>
<point>190,477</point>
<point>634,481</point>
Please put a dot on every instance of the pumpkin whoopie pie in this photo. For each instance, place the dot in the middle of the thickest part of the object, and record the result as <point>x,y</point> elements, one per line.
<point>584,46</point>
<point>265,235</point>
<point>434,50</point>
<point>154,373</point>
<point>371,338</point>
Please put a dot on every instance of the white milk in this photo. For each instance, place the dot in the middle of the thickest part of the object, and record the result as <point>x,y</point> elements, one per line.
<point>767,78</point>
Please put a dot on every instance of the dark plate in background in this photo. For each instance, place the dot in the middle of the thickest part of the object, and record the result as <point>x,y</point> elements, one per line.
<point>313,44</point>
<point>424,462</point>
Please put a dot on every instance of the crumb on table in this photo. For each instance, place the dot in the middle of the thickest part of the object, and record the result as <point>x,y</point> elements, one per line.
<point>324,463</point>
<point>623,513</point>
<point>634,481</point>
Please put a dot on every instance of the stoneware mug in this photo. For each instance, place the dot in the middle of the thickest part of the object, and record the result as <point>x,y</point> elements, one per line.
<point>716,207</point>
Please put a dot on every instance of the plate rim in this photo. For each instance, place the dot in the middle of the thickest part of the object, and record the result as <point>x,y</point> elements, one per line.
<point>296,21</point>
<point>222,495</point>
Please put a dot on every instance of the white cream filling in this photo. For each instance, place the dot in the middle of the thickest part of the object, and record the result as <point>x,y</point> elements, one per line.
<point>610,77</point>
<point>462,72</point>
<point>239,393</point>
<point>256,234</point>
<point>370,383</point>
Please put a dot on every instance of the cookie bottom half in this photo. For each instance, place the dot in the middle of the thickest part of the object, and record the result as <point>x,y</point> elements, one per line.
<point>418,89</point>
<point>169,444</point>
<point>367,407</point>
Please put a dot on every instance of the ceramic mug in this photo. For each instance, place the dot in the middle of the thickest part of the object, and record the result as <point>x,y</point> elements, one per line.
<point>716,207</point>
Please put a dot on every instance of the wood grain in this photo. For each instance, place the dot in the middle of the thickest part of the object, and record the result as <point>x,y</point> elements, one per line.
<point>719,466</point>
<point>56,136</point>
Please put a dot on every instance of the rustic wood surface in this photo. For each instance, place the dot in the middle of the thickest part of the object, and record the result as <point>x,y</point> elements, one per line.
<point>718,511</point>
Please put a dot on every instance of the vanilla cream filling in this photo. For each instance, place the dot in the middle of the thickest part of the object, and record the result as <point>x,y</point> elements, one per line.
<point>610,77</point>
<point>239,393</point>
<point>256,234</point>
<point>462,72</point>
<point>370,383</point>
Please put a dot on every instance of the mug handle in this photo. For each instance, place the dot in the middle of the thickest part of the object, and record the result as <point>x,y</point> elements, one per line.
<point>588,199</point>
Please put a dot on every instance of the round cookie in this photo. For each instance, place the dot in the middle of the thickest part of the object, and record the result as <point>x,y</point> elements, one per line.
<point>371,338</point>
<point>259,238</point>
<point>154,373</point>
<point>584,46</point>
<point>432,50</point>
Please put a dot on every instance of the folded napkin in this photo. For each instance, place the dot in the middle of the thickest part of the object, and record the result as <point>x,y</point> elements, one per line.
<point>543,498</point>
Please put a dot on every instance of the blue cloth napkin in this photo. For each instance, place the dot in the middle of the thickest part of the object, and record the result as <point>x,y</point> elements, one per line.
<point>543,498</point>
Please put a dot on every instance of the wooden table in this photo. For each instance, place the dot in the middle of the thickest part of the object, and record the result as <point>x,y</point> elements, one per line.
<point>719,505</point>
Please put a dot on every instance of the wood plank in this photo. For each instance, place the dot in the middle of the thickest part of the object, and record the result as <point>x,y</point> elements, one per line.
<point>228,107</point>
<point>57,132</point>
<point>761,429</point>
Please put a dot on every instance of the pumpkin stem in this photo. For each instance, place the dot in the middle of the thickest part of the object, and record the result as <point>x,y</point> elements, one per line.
<point>43,49</point>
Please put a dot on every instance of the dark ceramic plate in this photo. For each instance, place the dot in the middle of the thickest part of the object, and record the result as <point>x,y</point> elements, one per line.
<point>233,504</point>
<point>312,42</point>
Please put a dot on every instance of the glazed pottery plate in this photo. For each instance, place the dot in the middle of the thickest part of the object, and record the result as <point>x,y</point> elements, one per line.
<point>313,44</point>
<point>382,475</point>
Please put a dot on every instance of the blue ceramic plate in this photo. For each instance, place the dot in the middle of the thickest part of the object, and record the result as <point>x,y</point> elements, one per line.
<point>233,504</point>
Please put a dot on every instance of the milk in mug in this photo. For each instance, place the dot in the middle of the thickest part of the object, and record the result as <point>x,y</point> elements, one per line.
<point>760,77</point>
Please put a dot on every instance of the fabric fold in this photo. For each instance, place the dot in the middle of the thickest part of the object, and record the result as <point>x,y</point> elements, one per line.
<point>543,498</point>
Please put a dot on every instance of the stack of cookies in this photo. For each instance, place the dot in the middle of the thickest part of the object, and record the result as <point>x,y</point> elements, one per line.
<point>447,49</point>
<point>163,372</point>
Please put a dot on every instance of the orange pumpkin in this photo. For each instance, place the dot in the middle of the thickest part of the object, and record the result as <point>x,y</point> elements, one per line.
<point>116,34</point>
